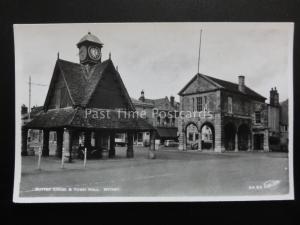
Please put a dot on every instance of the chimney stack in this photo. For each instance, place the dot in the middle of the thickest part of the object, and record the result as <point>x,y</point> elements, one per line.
<point>274,97</point>
<point>172,100</point>
<point>242,83</point>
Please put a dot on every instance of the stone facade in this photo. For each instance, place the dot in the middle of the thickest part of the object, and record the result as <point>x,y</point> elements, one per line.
<point>238,118</point>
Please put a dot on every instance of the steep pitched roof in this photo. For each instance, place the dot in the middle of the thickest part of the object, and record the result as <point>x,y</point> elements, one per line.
<point>223,84</point>
<point>81,83</point>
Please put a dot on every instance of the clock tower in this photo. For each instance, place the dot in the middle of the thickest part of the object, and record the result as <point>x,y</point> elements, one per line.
<point>89,49</point>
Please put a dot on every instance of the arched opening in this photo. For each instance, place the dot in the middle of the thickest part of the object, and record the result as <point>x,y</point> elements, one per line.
<point>208,136</point>
<point>243,137</point>
<point>230,133</point>
<point>192,135</point>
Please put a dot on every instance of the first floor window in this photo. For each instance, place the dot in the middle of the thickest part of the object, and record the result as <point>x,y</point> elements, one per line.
<point>199,104</point>
<point>257,117</point>
<point>229,104</point>
<point>205,103</point>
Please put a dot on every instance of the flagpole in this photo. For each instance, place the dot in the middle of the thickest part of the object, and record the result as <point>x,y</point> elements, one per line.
<point>199,50</point>
<point>29,104</point>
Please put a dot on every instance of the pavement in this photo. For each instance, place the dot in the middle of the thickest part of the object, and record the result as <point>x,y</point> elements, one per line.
<point>172,173</point>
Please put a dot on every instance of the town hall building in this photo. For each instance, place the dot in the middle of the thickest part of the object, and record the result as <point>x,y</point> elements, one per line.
<point>236,119</point>
<point>83,104</point>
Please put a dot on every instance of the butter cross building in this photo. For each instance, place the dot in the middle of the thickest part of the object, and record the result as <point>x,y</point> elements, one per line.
<point>78,92</point>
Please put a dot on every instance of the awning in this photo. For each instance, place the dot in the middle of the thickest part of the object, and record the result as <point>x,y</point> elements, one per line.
<point>167,132</point>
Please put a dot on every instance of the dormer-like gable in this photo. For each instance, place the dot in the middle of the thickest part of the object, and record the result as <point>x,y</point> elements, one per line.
<point>98,86</point>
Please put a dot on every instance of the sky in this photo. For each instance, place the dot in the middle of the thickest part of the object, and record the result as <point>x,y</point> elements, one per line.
<point>161,58</point>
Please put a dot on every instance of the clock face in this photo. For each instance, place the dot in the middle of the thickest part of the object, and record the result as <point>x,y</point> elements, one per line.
<point>94,53</point>
<point>82,53</point>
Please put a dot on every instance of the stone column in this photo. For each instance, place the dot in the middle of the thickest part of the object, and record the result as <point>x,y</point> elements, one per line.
<point>181,141</point>
<point>45,151</point>
<point>200,142</point>
<point>151,153</point>
<point>249,142</point>
<point>130,153</point>
<point>252,142</point>
<point>184,141</point>
<point>236,142</point>
<point>59,143</point>
<point>266,141</point>
<point>24,142</point>
<point>112,150</point>
<point>67,142</point>
<point>219,134</point>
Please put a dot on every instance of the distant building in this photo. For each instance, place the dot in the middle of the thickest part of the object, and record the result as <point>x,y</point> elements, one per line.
<point>284,125</point>
<point>162,113</point>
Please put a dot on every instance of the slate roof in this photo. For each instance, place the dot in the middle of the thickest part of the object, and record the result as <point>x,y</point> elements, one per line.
<point>227,85</point>
<point>141,103</point>
<point>160,103</point>
<point>81,82</point>
<point>78,118</point>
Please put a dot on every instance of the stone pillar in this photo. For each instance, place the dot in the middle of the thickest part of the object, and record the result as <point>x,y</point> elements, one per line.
<point>112,150</point>
<point>266,141</point>
<point>252,142</point>
<point>130,153</point>
<point>236,142</point>
<point>151,153</point>
<point>200,142</point>
<point>184,141</point>
<point>249,142</point>
<point>219,134</point>
<point>181,141</point>
<point>24,142</point>
<point>59,143</point>
<point>45,151</point>
<point>67,142</point>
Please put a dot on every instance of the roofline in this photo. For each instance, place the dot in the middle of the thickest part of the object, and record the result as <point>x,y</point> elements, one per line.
<point>224,89</point>
<point>109,61</point>
<point>195,77</point>
<point>66,84</point>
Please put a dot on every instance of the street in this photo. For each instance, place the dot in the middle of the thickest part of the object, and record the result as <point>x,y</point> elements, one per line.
<point>172,173</point>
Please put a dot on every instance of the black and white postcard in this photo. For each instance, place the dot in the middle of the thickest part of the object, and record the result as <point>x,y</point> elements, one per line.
<point>139,112</point>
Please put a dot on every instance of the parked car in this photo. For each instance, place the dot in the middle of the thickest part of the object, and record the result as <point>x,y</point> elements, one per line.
<point>171,143</point>
<point>194,146</point>
<point>93,153</point>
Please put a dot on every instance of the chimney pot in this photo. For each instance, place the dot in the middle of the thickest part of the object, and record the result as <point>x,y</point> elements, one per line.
<point>172,100</point>
<point>242,83</point>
